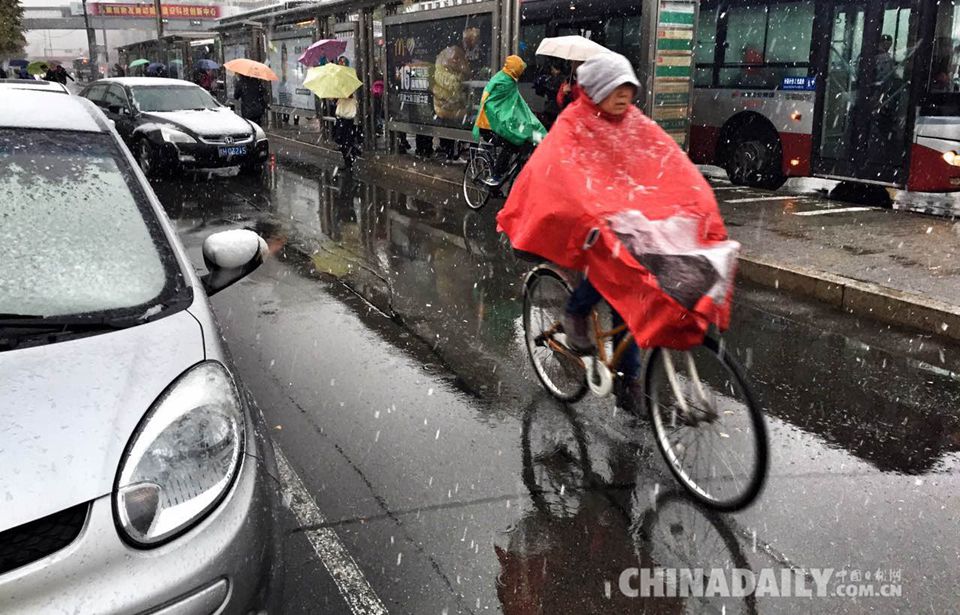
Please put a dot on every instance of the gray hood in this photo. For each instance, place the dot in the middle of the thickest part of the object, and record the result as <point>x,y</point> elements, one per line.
<point>67,411</point>
<point>603,73</point>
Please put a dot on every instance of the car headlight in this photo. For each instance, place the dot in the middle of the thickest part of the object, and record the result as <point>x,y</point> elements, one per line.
<point>258,133</point>
<point>172,135</point>
<point>183,457</point>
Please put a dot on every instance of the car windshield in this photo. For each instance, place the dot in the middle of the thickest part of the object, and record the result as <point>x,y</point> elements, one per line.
<point>172,98</point>
<point>74,238</point>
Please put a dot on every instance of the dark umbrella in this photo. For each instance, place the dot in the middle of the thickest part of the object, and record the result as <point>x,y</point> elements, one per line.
<point>155,68</point>
<point>18,63</point>
<point>206,64</point>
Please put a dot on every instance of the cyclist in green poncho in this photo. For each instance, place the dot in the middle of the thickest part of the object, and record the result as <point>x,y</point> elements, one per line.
<point>506,119</point>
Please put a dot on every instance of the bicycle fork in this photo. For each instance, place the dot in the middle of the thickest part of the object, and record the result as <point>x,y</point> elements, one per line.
<point>707,413</point>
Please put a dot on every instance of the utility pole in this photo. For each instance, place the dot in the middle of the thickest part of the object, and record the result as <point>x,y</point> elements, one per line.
<point>91,44</point>
<point>156,8</point>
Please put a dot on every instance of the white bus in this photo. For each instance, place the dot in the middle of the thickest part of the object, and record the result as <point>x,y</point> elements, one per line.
<point>862,90</point>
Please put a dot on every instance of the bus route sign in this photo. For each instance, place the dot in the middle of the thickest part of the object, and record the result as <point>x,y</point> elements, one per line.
<point>806,84</point>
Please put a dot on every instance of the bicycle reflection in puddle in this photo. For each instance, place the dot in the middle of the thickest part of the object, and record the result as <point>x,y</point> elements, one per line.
<point>566,555</point>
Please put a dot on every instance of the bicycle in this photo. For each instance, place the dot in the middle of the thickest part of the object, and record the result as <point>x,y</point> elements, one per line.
<point>678,394</point>
<point>480,168</point>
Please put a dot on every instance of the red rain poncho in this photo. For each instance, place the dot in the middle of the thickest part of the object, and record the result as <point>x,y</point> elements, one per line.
<point>626,178</point>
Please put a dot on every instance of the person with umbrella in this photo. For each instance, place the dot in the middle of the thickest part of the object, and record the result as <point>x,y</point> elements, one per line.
<point>609,193</point>
<point>254,97</point>
<point>506,119</point>
<point>250,87</point>
<point>341,83</point>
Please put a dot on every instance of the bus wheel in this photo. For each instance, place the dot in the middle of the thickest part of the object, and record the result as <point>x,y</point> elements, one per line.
<point>755,161</point>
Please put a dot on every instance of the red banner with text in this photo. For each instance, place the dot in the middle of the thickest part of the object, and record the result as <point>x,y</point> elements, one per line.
<point>168,11</point>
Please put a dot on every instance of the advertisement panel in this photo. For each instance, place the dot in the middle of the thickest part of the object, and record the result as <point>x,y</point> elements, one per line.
<point>437,69</point>
<point>282,58</point>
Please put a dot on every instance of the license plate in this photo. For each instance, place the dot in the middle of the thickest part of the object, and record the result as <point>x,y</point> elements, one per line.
<point>236,150</point>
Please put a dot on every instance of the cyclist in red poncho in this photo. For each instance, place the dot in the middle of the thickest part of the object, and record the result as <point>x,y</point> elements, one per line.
<point>610,194</point>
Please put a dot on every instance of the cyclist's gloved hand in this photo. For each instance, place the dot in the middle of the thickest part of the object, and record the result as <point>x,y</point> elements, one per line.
<point>537,137</point>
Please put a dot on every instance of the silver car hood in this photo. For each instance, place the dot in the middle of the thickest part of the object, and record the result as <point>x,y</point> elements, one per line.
<point>68,409</point>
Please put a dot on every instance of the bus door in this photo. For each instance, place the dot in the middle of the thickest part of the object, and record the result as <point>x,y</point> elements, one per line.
<point>863,121</point>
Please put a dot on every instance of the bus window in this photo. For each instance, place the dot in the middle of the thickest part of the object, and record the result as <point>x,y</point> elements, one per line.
<point>764,44</point>
<point>705,49</point>
<point>744,58</point>
<point>789,32</point>
<point>622,34</point>
<point>530,37</point>
<point>945,66</point>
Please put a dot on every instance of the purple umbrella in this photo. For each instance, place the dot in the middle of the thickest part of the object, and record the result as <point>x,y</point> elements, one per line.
<point>329,48</point>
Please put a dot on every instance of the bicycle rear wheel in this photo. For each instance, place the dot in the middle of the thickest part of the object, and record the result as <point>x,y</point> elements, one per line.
<point>545,296</point>
<point>479,168</point>
<point>707,425</point>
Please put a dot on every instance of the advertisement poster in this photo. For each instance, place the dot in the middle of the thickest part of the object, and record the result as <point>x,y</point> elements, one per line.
<point>437,70</point>
<point>282,58</point>
<point>350,52</point>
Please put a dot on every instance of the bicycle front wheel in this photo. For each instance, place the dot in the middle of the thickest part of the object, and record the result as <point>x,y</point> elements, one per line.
<point>475,192</point>
<point>707,425</point>
<point>545,297</point>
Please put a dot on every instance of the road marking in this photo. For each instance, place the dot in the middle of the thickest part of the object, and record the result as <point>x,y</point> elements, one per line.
<point>835,210</point>
<point>351,583</point>
<point>718,188</point>
<point>767,198</point>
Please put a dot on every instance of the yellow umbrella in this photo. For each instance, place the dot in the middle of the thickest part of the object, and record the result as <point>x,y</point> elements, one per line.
<point>250,68</point>
<point>332,81</point>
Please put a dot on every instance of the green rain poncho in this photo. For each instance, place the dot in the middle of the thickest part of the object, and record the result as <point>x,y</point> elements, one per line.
<point>503,110</point>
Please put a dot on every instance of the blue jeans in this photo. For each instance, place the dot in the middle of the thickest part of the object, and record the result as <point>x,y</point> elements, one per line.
<point>582,301</point>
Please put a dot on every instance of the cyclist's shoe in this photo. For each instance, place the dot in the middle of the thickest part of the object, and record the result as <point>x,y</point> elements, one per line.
<point>492,182</point>
<point>628,392</point>
<point>578,333</point>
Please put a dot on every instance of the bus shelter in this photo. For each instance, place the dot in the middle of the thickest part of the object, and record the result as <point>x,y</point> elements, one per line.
<point>435,57</point>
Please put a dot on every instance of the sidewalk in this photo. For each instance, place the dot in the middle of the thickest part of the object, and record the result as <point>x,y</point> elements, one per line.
<point>896,267</point>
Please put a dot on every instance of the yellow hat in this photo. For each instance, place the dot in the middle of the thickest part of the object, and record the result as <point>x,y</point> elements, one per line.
<point>514,66</point>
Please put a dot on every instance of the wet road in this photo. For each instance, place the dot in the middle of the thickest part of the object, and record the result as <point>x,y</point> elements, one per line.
<point>383,343</point>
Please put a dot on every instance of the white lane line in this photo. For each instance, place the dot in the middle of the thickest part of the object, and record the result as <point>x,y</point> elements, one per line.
<point>351,583</point>
<point>717,188</point>
<point>835,210</point>
<point>766,198</point>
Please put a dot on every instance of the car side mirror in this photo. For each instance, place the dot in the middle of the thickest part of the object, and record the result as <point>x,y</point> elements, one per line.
<point>114,109</point>
<point>230,256</point>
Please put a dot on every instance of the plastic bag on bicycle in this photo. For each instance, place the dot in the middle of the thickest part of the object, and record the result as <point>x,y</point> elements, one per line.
<point>617,198</point>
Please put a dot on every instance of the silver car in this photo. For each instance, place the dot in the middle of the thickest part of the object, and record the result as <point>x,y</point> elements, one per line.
<point>135,473</point>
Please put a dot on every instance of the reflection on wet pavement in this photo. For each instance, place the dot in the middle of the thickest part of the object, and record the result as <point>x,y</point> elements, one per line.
<point>856,410</point>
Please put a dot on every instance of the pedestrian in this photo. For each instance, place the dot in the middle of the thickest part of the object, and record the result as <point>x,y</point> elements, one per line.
<point>62,75</point>
<point>118,70</point>
<point>51,75</point>
<point>346,134</point>
<point>254,97</point>
<point>569,90</point>
<point>376,90</point>
<point>3,73</point>
<point>547,84</point>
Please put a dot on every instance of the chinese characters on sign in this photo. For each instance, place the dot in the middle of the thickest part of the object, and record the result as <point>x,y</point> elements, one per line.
<point>806,84</point>
<point>170,11</point>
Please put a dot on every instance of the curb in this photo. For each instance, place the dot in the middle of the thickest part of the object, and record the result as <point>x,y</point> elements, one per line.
<point>866,299</point>
<point>880,303</point>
